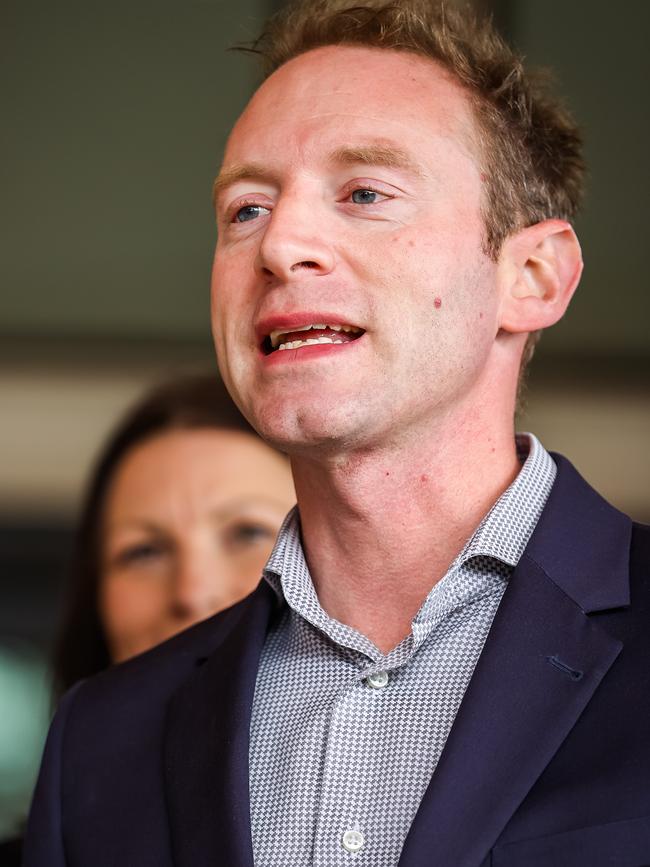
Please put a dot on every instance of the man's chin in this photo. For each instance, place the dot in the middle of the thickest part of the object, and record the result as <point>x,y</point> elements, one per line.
<point>305,432</point>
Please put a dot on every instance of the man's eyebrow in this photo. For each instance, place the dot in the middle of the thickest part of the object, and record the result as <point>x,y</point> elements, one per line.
<point>376,155</point>
<point>370,154</point>
<point>244,172</point>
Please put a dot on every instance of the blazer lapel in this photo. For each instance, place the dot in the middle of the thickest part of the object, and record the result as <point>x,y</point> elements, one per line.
<point>206,747</point>
<point>542,662</point>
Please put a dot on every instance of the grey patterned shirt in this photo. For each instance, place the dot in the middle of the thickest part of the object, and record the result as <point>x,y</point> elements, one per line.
<point>344,739</point>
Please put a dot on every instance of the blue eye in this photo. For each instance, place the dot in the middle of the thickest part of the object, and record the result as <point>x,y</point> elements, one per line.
<point>364,197</point>
<point>249,212</point>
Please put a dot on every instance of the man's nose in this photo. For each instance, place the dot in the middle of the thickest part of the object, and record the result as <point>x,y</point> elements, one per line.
<point>295,241</point>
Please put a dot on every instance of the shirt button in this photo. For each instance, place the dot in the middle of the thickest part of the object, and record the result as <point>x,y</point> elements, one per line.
<point>352,841</point>
<point>378,680</point>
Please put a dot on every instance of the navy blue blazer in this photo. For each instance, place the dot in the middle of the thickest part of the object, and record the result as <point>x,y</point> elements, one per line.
<point>548,761</point>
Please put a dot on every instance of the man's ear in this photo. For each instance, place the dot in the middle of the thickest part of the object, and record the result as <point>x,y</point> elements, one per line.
<point>539,269</point>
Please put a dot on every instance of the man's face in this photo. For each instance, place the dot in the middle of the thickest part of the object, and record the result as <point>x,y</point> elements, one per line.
<point>350,197</point>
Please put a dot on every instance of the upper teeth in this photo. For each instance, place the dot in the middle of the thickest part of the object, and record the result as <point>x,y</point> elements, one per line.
<point>275,336</point>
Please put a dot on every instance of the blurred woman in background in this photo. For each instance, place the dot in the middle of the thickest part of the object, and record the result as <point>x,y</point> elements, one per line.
<point>180,516</point>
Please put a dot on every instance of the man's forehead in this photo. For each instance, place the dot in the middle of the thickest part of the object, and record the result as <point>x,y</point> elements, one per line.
<point>352,104</point>
<point>361,80</point>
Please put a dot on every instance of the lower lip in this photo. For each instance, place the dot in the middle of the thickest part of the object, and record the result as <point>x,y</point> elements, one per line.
<point>306,353</point>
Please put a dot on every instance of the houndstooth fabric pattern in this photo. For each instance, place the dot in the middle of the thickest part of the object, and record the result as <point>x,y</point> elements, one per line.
<point>338,767</point>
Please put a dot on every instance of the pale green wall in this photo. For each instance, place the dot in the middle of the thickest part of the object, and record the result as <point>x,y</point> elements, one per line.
<point>599,51</point>
<point>114,116</point>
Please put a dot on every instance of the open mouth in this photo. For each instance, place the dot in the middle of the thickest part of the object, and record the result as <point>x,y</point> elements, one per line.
<point>313,334</point>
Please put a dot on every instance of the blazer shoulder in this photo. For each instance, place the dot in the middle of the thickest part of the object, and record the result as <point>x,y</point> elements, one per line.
<point>583,542</point>
<point>148,680</point>
<point>640,547</point>
<point>640,561</point>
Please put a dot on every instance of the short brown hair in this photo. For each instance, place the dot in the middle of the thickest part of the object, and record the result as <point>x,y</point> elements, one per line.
<point>530,147</point>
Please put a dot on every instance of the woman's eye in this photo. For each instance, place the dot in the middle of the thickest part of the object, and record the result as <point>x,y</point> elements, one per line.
<point>249,212</point>
<point>139,553</point>
<point>250,534</point>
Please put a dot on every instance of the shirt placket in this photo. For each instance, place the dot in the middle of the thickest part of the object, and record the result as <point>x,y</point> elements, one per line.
<point>382,722</point>
<point>343,835</point>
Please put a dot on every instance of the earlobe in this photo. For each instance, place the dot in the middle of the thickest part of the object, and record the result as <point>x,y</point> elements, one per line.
<point>539,270</point>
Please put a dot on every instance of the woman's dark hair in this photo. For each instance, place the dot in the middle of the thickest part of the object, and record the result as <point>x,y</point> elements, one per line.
<point>185,404</point>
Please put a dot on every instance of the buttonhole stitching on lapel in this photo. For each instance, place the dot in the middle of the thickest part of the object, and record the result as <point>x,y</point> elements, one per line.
<point>573,673</point>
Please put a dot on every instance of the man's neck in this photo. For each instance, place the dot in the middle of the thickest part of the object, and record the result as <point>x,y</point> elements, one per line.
<point>382,527</point>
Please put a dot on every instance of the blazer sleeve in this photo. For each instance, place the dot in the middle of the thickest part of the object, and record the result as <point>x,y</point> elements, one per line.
<point>44,839</point>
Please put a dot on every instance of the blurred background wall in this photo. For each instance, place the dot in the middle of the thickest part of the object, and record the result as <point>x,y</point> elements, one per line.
<point>114,117</point>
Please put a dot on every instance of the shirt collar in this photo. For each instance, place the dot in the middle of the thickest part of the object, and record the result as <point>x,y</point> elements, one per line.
<point>502,534</point>
<point>288,539</point>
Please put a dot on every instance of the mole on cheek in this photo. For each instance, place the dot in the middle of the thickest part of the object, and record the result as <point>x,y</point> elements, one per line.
<point>437,303</point>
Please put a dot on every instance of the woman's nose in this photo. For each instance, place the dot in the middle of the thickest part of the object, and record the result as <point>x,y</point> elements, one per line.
<point>195,587</point>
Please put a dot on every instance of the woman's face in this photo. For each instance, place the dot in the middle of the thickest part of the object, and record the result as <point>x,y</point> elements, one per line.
<point>190,519</point>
